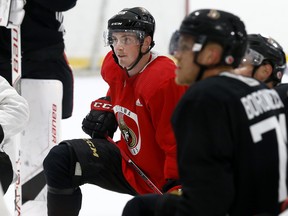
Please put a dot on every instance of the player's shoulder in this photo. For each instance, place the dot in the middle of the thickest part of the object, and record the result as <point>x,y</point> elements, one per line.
<point>282,89</point>
<point>226,86</point>
<point>158,76</point>
<point>109,69</point>
<point>159,69</point>
<point>108,59</point>
<point>160,62</point>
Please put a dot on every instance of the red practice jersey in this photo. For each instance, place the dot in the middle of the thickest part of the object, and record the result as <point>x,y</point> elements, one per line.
<point>143,105</point>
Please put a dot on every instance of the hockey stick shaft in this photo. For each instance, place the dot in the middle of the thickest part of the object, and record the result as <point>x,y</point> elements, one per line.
<point>16,82</point>
<point>136,168</point>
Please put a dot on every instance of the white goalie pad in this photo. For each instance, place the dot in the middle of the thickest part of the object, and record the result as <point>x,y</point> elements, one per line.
<point>4,12</point>
<point>285,213</point>
<point>11,13</point>
<point>3,207</point>
<point>42,133</point>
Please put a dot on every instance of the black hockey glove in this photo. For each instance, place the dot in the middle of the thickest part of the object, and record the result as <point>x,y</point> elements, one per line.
<point>100,121</point>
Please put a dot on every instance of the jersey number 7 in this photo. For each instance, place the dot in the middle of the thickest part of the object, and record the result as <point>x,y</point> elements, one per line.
<point>264,126</point>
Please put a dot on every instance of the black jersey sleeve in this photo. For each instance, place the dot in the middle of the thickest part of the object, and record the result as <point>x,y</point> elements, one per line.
<point>205,154</point>
<point>56,5</point>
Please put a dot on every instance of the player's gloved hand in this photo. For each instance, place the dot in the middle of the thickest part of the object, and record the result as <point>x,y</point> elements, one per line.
<point>100,121</point>
<point>11,13</point>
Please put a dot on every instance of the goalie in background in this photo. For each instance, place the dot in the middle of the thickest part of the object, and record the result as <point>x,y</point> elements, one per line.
<point>42,43</point>
<point>141,98</point>
<point>14,115</point>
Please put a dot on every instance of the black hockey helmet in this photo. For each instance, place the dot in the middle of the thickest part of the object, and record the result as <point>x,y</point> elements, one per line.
<point>208,25</point>
<point>137,18</point>
<point>271,52</point>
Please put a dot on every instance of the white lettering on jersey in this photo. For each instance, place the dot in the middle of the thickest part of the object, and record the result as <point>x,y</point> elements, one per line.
<point>59,17</point>
<point>258,130</point>
<point>260,102</point>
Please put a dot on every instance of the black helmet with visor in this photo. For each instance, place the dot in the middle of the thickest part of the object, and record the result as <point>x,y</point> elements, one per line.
<point>208,25</point>
<point>263,50</point>
<point>134,21</point>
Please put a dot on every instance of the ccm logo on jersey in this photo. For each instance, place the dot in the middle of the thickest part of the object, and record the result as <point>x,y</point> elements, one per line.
<point>99,105</point>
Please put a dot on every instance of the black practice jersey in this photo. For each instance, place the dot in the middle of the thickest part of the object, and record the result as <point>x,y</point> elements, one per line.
<point>282,90</point>
<point>42,26</point>
<point>232,156</point>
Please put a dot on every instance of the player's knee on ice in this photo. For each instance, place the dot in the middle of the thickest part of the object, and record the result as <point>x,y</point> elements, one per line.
<point>59,165</point>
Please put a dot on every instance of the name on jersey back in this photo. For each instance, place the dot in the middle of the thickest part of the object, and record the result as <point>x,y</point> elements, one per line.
<point>261,101</point>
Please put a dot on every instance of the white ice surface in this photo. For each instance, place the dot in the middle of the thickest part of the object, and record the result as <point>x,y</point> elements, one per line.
<point>96,201</point>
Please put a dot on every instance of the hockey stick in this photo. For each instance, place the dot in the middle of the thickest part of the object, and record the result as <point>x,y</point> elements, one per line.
<point>136,168</point>
<point>16,82</point>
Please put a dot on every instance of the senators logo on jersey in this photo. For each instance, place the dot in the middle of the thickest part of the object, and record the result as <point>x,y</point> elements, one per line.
<point>130,134</point>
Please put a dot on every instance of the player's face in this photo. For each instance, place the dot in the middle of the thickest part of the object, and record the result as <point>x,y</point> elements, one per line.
<point>187,70</point>
<point>263,72</point>
<point>126,47</point>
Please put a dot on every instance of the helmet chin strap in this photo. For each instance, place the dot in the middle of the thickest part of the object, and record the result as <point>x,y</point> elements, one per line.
<point>140,55</point>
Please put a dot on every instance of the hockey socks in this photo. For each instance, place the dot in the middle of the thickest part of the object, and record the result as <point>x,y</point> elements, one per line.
<point>64,204</point>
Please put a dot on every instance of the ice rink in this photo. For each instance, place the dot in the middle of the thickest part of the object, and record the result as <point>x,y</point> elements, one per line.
<point>96,201</point>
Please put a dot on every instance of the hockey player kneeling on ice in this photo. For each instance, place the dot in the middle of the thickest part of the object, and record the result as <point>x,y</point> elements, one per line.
<point>230,129</point>
<point>141,98</point>
<point>89,159</point>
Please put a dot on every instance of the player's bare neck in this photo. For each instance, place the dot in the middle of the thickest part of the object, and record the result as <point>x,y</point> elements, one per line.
<point>140,65</point>
<point>217,70</point>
